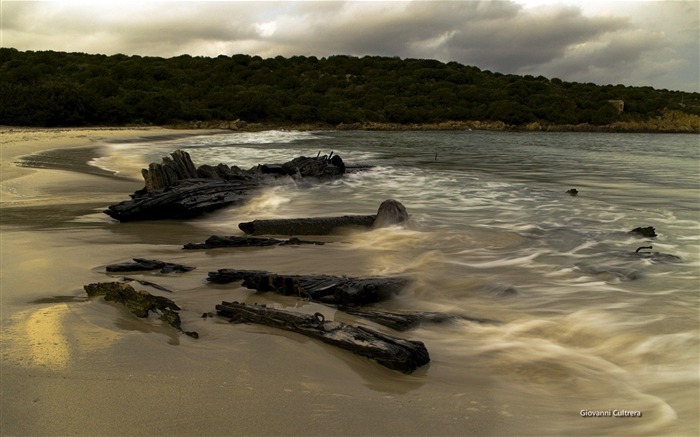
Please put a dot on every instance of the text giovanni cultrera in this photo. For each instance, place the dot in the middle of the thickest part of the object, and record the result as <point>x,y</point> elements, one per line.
<point>610,413</point>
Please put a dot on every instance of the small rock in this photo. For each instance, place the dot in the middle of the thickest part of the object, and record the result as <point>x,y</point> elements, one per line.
<point>391,212</point>
<point>647,232</point>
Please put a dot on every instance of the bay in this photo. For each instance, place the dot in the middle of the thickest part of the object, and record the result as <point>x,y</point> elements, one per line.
<point>588,324</point>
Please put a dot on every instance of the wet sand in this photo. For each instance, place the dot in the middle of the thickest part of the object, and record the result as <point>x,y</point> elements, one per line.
<point>73,366</point>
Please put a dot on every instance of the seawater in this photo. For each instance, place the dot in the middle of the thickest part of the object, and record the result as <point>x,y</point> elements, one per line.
<point>585,322</point>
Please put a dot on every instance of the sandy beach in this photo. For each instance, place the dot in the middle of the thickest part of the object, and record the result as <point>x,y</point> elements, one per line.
<point>73,366</point>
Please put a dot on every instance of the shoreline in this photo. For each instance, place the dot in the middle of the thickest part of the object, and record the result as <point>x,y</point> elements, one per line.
<point>24,150</point>
<point>670,122</point>
<point>71,145</point>
<point>65,354</point>
<point>41,168</point>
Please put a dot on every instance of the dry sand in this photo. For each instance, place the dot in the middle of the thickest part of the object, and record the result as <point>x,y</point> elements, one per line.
<point>72,366</point>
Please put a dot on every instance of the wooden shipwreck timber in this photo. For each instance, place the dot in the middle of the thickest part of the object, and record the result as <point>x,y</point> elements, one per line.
<point>218,241</point>
<point>176,188</point>
<point>328,289</point>
<point>390,212</point>
<point>394,353</point>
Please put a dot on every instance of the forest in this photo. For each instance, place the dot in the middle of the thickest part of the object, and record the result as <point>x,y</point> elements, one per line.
<point>52,89</point>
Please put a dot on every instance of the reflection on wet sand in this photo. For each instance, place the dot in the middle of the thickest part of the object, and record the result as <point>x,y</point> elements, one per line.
<point>50,337</point>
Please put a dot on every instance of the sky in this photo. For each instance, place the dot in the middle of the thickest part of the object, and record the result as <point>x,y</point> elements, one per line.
<point>635,42</point>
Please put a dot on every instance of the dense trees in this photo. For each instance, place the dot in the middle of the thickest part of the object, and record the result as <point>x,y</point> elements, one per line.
<point>72,89</point>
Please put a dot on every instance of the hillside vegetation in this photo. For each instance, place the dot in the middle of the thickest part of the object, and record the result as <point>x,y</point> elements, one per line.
<point>49,88</point>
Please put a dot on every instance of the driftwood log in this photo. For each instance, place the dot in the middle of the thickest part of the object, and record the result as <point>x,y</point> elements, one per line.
<point>146,283</point>
<point>176,188</point>
<point>306,226</point>
<point>336,290</point>
<point>403,321</point>
<point>394,353</point>
<point>141,264</point>
<point>183,199</point>
<point>216,241</point>
<point>140,303</point>
<point>390,212</point>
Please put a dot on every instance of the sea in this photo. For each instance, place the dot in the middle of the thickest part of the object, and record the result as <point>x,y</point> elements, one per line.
<point>585,332</point>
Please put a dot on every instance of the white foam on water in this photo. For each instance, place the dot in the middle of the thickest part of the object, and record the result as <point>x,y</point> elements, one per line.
<point>575,329</point>
<point>504,263</point>
<point>238,148</point>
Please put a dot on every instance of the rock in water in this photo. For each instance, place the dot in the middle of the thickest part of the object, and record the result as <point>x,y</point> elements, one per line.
<point>390,213</point>
<point>647,232</point>
<point>169,171</point>
<point>140,303</point>
<point>321,168</point>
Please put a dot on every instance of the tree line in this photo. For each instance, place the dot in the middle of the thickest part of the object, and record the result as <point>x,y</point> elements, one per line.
<point>48,88</point>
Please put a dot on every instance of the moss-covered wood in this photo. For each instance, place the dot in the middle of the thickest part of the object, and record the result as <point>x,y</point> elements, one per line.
<point>140,303</point>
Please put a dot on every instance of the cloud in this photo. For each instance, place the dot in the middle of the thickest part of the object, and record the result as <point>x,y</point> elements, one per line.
<point>529,39</point>
<point>636,43</point>
<point>658,47</point>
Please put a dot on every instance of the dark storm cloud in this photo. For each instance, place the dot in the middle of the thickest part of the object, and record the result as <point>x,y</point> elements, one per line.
<point>636,43</point>
<point>528,40</point>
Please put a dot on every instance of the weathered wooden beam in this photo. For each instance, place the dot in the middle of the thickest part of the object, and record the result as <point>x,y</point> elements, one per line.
<point>307,226</point>
<point>216,241</point>
<point>390,212</point>
<point>403,321</point>
<point>140,264</point>
<point>398,354</point>
<point>337,290</point>
<point>146,283</point>
<point>175,188</point>
<point>183,199</point>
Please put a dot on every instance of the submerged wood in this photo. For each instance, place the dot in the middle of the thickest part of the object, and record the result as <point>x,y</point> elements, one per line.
<point>216,241</point>
<point>390,212</point>
<point>656,256</point>
<point>395,353</point>
<point>403,321</point>
<point>336,290</point>
<point>306,226</point>
<point>140,303</point>
<point>141,264</point>
<point>146,283</point>
<point>176,188</point>
<point>183,199</point>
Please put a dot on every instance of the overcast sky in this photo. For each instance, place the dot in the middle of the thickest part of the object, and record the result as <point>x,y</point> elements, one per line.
<point>641,43</point>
